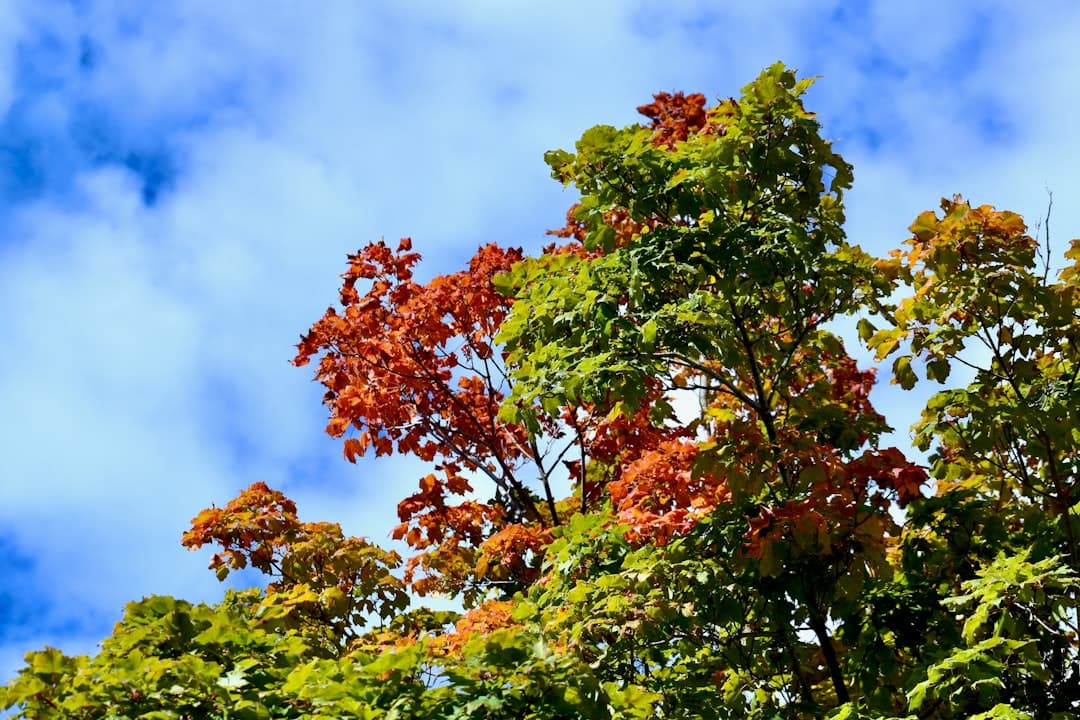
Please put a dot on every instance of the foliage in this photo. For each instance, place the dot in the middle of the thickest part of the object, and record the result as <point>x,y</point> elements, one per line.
<point>764,555</point>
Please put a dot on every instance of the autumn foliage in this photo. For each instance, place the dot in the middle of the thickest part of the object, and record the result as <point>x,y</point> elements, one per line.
<point>659,487</point>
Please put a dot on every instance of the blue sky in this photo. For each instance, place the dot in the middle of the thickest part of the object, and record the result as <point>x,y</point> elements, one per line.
<point>180,182</point>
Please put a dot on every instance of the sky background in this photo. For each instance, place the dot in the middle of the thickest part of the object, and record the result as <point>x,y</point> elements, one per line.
<point>180,183</point>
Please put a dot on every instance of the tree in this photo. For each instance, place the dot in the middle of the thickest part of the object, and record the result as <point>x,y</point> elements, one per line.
<point>766,557</point>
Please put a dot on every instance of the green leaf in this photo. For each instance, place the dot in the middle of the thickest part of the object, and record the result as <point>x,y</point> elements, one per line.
<point>49,661</point>
<point>925,225</point>
<point>884,343</point>
<point>902,372</point>
<point>648,335</point>
<point>1002,711</point>
<point>938,369</point>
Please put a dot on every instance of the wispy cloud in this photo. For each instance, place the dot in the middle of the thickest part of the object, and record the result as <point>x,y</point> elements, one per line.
<point>180,183</point>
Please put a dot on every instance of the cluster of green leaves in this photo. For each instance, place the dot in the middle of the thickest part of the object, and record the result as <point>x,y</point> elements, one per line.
<point>757,175</point>
<point>765,558</point>
<point>170,660</point>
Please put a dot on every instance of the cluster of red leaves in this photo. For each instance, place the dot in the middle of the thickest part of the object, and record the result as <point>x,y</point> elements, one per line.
<point>674,117</point>
<point>446,534</point>
<point>575,227</point>
<point>620,438</point>
<point>427,519</point>
<point>848,386</point>
<point>411,366</point>
<point>799,523</point>
<point>974,237</point>
<point>254,529</point>
<point>834,498</point>
<point>626,229</point>
<point>817,495</point>
<point>660,495</point>
<point>481,621</point>
<point>325,576</point>
<point>514,553</point>
<point>889,469</point>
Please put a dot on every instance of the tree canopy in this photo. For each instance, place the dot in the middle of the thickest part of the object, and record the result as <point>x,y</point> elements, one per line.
<point>658,487</point>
